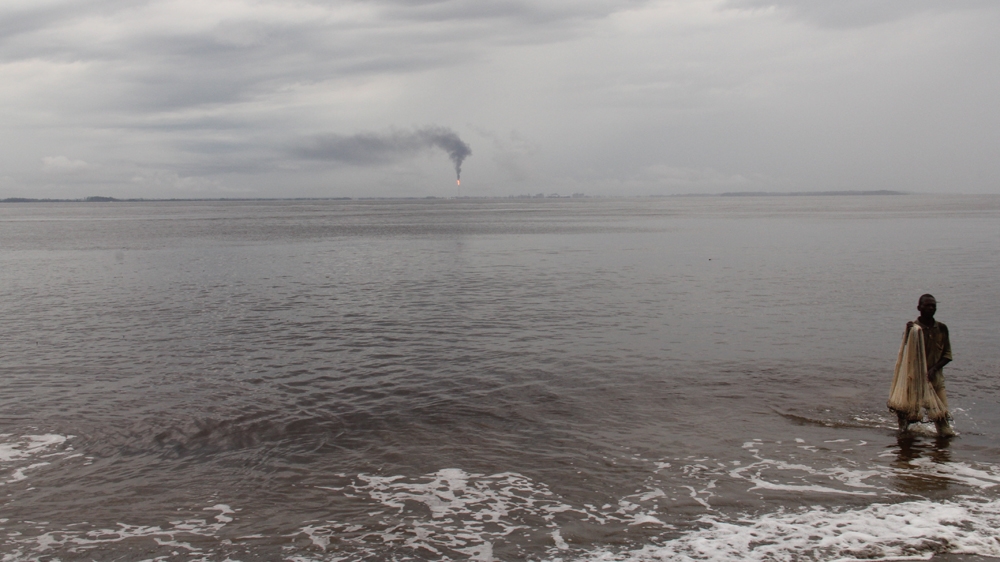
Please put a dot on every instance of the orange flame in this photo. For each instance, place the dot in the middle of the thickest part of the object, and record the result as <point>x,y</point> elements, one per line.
<point>458,182</point>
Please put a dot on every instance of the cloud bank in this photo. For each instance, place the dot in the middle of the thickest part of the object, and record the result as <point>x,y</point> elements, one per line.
<point>62,164</point>
<point>614,97</point>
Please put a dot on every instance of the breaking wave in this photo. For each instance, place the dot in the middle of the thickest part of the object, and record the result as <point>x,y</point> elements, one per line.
<point>681,512</point>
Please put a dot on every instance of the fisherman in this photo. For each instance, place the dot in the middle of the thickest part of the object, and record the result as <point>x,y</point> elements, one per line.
<point>937,350</point>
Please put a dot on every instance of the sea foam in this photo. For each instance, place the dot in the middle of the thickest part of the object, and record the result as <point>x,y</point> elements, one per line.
<point>913,530</point>
<point>20,455</point>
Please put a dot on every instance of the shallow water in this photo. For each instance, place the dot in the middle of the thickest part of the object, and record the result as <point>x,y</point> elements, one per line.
<point>587,379</point>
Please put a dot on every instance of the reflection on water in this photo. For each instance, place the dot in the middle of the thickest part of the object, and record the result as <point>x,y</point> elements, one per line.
<point>913,454</point>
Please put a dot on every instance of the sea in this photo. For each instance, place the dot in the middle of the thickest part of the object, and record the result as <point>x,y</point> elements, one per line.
<point>575,379</point>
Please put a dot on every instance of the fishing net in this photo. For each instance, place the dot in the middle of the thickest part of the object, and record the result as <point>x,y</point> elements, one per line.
<point>911,391</point>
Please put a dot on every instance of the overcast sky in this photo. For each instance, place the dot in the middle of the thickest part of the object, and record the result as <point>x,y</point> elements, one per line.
<point>244,98</point>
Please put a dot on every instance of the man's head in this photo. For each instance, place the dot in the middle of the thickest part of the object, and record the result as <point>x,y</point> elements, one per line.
<point>927,305</point>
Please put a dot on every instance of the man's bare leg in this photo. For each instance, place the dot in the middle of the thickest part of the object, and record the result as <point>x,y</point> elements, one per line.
<point>904,421</point>
<point>944,428</point>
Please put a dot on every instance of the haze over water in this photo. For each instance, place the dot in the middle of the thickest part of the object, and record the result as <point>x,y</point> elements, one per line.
<point>613,379</point>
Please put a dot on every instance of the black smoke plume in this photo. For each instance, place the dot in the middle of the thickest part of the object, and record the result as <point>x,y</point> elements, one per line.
<point>365,149</point>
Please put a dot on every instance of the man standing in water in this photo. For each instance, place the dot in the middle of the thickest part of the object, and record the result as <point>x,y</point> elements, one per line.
<point>937,349</point>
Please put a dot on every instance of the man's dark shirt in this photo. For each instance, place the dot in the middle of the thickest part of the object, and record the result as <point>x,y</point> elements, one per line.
<point>936,342</point>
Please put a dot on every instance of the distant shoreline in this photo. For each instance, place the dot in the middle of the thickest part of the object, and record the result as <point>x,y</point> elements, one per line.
<point>101,199</point>
<point>145,200</point>
<point>807,193</point>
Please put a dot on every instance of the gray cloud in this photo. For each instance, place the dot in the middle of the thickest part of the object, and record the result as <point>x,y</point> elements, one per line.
<point>606,96</point>
<point>62,165</point>
<point>553,15</point>
<point>858,13</point>
<point>30,17</point>
<point>145,64</point>
<point>365,149</point>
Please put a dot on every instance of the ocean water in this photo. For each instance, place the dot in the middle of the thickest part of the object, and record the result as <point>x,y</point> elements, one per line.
<point>585,379</point>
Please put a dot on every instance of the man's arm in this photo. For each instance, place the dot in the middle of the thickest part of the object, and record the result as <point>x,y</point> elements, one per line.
<point>937,367</point>
<point>945,354</point>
